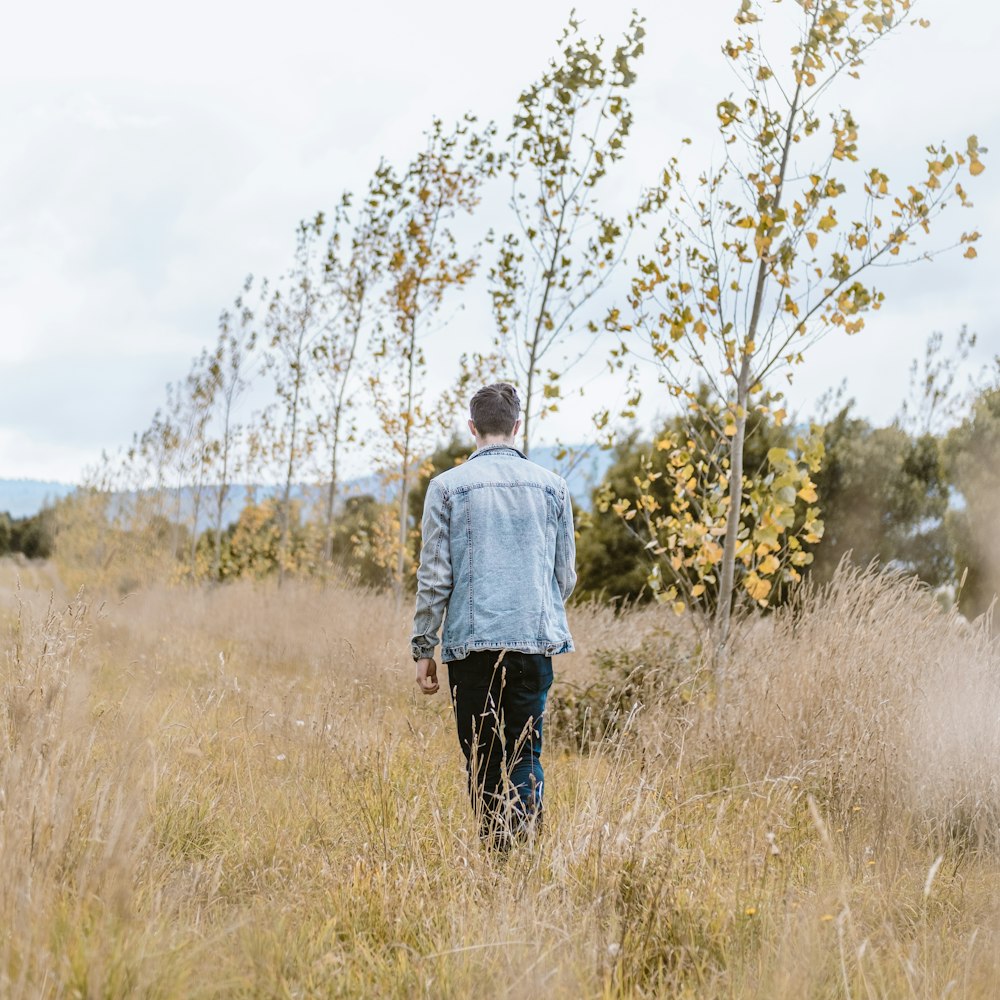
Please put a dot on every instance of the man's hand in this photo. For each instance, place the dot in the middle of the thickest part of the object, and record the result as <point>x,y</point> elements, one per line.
<point>427,675</point>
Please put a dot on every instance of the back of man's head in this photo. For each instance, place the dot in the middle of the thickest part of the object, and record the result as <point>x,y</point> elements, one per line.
<point>494,410</point>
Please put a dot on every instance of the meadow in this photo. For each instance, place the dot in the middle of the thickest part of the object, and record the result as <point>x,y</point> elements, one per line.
<point>238,791</point>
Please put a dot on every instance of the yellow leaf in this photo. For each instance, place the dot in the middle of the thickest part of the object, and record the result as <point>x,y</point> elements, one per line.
<point>828,221</point>
<point>976,168</point>
<point>679,608</point>
<point>769,565</point>
<point>757,588</point>
<point>813,240</point>
<point>808,493</point>
<point>730,430</point>
<point>713,552</point>
<point>971,252</point>
<point>746,223</point>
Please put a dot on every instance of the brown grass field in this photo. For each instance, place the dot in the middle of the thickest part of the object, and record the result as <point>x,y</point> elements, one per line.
<point>239,792</point>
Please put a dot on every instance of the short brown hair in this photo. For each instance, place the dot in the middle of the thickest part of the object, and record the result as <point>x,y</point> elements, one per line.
<point>494,409</point>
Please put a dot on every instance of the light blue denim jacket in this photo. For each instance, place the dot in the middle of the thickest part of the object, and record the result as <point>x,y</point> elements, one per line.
<point>498,554</point>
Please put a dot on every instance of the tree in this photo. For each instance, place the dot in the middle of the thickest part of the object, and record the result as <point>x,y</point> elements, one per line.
<point>884,497</point>
<point>611,558</point>
<point>198,399</point>
<point>234,349</point>
<point>441,183</point>
<point>364,541</point>
<point>255,543</point>
<point>632,529</point>
<point>972,458</point>
<point>353,272</point>
<point>137,486</point>
<point>171,458</point>
<point>935,402</point>
<point>31,535</point>
<point>297,315</point>
<point>146,465</point>
<point>758,260</point>
<point>569,129</point>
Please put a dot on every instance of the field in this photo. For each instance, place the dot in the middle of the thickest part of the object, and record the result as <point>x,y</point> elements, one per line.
<point>239,792</point>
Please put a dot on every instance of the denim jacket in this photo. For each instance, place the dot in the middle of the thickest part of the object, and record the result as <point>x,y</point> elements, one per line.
<point>499,555</point>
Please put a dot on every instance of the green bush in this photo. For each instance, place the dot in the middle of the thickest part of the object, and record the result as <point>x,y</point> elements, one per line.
<point>628,679</point>
<point>32,535</point>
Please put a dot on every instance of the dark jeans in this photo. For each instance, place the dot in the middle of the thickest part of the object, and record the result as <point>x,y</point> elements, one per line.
<point>499,700</point>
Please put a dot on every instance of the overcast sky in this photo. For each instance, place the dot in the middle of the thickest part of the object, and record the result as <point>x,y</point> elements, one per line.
<point>153,155</point>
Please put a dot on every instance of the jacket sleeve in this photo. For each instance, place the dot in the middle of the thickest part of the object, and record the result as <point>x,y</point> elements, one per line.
<point>434,573</point>
<point>566,548</point>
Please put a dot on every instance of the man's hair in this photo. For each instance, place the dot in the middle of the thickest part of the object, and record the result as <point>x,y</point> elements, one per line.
<point>494,409</point>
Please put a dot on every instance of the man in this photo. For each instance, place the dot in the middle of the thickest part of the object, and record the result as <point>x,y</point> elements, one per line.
<point>497,563</point>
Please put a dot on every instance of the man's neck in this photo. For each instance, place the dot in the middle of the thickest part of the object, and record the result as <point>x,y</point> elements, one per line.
<point>489,442</point>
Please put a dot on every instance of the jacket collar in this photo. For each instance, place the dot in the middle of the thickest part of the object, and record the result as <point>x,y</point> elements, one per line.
<point>496,447</point>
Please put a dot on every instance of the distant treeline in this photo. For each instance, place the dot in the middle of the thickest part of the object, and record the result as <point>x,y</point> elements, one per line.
<point>918,495</point>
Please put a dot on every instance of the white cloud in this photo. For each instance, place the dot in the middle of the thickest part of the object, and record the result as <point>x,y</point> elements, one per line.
<point>154,156</point>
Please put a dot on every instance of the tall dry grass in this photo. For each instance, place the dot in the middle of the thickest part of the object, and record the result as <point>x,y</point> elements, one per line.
<point>239,792</point>
<point>872,696</point>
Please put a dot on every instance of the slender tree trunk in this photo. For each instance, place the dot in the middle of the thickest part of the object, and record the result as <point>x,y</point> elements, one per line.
<point>404,486</point>
<point>723,611</point>
<point>194,525</point>
<point>220,503</point>
<point>217,556</point>
<point>338,415</point>
<point>286,499</point>
<point>526,431</point>
<point>175,529</point>
<point>537,335</point>
<point>331,495</point>
<point>223,491</point>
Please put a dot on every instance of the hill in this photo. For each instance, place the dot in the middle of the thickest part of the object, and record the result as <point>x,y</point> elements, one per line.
<point>24,497</point>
